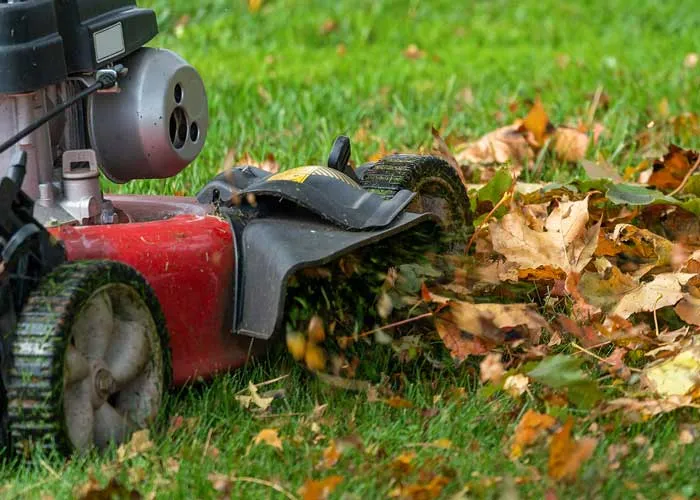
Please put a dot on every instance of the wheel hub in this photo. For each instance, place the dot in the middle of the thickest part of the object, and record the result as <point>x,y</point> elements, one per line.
<point>103,383</point>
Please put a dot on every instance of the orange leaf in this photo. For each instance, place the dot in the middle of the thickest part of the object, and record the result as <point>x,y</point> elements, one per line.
<point>530,428</point>
<point>268,437</point>
<point>331,455</point>
<point>321,489</point>
<point>566,455</point>
<point>398,402</point>
<point>537,123</point>
<point>668,173</point>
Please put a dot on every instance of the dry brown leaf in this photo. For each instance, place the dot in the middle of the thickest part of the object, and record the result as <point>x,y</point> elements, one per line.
<point>566,244</point>
<point>269,437</point>
<point>331,455</point>
<point>421,491</point>
<point>461,345</point>
<point>531,427</point>
<point>321,489</point>
<point>690,60</point>
<point>516,385</point>
<point>566,455</point>
<point>254,399</point>
<point>491,321</point>
<point>499,146</point>
<point>491,368</point>
<point>570,144</point>
<point>137,445</point>
<point>642,247</point>
<point>688,309</point>
<point>398,402</point>
<point>664,290</point>
<point>92,490</point>
<point>605,290</point>
<point>644,409</point>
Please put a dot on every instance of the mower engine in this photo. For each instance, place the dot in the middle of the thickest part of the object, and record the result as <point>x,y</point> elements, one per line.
<point>150,125</point>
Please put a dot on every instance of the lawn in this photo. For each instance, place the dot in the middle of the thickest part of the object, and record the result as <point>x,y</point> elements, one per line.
<point>284,81</point>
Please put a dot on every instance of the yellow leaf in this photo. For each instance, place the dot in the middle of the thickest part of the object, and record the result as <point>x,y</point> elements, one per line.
<point>566,455</point>
<point>442,443</point>
<point>678,375</point>
<point>268,437</point>
<point>296,345</point>
<point>316,330</point>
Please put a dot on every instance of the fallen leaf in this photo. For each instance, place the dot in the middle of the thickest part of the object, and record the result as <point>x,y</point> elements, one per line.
<point>421,491</point>
<point>491,368</point>
<point>254,5</point>
<point>254,398</point>
<point>605,290</point>
<point>675,376</point>
<point>461,345</point>
<point>321,489</point>
<point>402,464</point>
<point>92,490</point>
<point>331,455</point>
<point>688,309</point>
<point>537,123</point>
<point>644,409</point>
<point>269,437</point>
<point>669,172</point>
<point>413,52</point>
<point>531,427</point>
<point>328,26</point>
<point>570,144</point>
<point>690,60</point>
<point>664,290</point>
<point>566,455</point>
<point>516,385</point>
<point>398,402</point>
<point>491,322</point>
<point>137,445</point>
<point>500,146</point>
<point>566,244</point>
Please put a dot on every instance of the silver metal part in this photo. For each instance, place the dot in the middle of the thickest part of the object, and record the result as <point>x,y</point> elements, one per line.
<point>156,125</point>
<point>16,113</point>
<point>81,185</point>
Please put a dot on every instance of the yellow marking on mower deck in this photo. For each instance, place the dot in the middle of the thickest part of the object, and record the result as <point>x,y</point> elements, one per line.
<point>300,174</point>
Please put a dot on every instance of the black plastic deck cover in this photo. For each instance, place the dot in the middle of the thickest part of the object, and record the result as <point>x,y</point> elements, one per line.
<point>274,248</point>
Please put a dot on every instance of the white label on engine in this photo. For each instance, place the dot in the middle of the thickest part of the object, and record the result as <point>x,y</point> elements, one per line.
<point>109,42</point>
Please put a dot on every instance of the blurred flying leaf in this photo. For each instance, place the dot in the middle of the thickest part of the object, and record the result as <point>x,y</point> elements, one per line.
<point>564,372</point>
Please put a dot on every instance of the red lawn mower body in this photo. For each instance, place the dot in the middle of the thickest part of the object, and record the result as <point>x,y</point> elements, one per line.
<point>188,260</point>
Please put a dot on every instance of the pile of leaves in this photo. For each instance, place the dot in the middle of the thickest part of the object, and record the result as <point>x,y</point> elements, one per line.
<point>583,295</point>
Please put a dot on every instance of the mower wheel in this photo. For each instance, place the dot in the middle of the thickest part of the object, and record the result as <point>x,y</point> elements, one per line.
<point>90,360</point>
<point>438,189</point>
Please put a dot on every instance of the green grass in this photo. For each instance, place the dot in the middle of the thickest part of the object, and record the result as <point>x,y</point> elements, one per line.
<point>277,85</point>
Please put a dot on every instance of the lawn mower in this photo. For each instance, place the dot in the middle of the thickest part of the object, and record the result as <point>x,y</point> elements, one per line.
<point>108,300</point>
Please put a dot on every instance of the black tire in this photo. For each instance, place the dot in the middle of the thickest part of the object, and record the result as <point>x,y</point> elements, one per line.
<point>40,344</point>
<point>438,187</point>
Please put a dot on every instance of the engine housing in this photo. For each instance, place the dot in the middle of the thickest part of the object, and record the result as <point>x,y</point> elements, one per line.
<point>156,124</point>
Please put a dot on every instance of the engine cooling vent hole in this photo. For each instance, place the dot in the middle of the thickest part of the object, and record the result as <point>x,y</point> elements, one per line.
<point>178,93</point>
<point>194,132</point>
<point>178,128</point>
